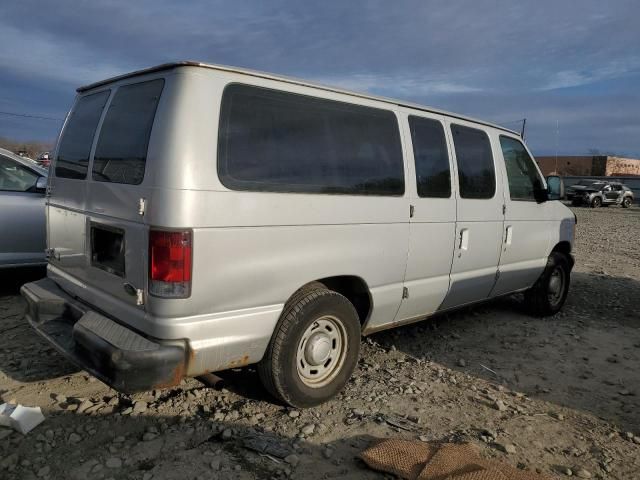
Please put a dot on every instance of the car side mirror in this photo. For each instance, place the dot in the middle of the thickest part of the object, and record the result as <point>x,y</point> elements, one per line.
<point>41,185</point>
<point>555,187</point>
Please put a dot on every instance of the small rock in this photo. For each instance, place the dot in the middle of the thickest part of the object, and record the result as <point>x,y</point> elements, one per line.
<point>462,362</point>
<point>147,437</point>
<point>500,406</point>
<point>308,429</point>
<point>358,412</point>
<point>227,434</point>
<point>294,414</point>
<point>568,472</point>
<point>215,464</point>
<point>636,440</point>
<point>113,462</point>
<point>582,473</point>
<point>44,471</point>
<point>292,459</point>
<point>509,448</point>
<point>327,453</point>
<point>139,407</point>
<point>74,438</point>
<point>84,405</point>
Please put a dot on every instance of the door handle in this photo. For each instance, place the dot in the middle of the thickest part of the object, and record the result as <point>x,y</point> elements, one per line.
<point>508,235</point>
<point>464,239</point>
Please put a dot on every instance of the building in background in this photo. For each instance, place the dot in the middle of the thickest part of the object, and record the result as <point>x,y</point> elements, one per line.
<point>597,165</point>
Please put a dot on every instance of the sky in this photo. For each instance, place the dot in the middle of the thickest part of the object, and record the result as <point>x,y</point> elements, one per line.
<point>571,68</point>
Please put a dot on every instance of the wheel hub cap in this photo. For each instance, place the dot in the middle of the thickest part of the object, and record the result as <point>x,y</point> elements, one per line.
<point>321,351</point>
<point>318,348</point>
<point>556,286</point>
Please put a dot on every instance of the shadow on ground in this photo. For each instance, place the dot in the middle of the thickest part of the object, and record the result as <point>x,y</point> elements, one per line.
<point>166,447</point>
<point>586,357</point>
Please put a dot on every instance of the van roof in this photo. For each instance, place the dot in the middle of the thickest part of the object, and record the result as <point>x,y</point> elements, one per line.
<point>255,73</point>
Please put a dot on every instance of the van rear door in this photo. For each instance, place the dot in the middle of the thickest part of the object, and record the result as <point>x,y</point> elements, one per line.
<point>96,213</point>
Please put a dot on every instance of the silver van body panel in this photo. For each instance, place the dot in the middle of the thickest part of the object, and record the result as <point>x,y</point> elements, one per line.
<point>253,250</point>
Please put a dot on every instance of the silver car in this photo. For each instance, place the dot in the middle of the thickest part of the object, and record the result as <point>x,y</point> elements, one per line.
<point>22,211</point>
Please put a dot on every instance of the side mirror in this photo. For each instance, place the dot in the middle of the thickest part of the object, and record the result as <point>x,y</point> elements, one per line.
<point>41,185</point>
<point>555,186</point>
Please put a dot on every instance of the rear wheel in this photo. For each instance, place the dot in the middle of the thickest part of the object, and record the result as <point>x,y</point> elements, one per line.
<point>596,202</point>
<point>626,202</point>
<point>550,292</point>
<point>314,349</point>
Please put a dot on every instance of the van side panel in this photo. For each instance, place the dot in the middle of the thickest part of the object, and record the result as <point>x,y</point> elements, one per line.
<point>253,250</point>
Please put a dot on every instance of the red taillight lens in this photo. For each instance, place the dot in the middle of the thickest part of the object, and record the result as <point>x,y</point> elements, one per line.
<point>169,263</point>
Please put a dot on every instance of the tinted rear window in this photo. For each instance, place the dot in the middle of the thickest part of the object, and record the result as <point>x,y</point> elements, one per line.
<point>283,142</point>
<point>75,145</point>
<point>475,162</point>
<point>121,153</point>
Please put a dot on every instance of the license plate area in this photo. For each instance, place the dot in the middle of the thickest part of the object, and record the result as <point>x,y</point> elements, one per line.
<point>107,249</point>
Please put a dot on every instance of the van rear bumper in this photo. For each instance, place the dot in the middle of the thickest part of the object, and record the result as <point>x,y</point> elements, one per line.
<point>115,354</point>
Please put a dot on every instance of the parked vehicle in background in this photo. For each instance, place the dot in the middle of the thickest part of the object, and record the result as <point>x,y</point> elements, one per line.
<point>577,187</point>
<point>603,194</point>
<point>203,218</point>
<point>22,211</point>
<point>44,160</point>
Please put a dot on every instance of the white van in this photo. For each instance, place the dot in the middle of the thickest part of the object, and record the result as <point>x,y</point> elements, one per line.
<point>202,218</point>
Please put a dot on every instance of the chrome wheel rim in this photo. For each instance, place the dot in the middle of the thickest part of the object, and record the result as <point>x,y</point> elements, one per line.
<point>321,351</point>
<point>556,286</point>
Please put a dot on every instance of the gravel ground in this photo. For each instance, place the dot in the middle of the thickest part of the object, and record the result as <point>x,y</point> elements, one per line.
<point>561,395</point>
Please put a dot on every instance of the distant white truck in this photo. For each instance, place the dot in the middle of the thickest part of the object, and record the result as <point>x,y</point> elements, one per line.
<point>203,218</point>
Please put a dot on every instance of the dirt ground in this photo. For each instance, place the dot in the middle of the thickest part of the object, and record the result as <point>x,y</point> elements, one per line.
<point>561,394</point>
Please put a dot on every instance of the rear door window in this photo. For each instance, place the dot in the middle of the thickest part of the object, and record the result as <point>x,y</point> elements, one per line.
<point>283,142</point>
<point>433,173</point>
<point>77,139</point>
<point>476,171</point>
<point>121,153</point>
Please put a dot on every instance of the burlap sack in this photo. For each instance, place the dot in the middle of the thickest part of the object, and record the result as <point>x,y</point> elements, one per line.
<point>414,460</point>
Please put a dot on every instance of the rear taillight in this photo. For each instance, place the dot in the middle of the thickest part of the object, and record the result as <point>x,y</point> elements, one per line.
<point>170,263</point>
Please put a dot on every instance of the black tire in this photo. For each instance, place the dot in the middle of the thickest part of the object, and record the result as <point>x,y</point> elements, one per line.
<point>540,300</point>
<point>279,370</point>
<point>596,202</point>
<point>626,202</point>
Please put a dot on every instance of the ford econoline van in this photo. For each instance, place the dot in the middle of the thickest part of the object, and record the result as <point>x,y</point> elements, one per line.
<point>203,218</point>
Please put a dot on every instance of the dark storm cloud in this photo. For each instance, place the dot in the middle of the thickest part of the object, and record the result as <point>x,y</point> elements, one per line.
<point>574,63</point>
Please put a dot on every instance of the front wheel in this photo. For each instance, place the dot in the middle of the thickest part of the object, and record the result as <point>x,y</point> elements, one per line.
<point>596,202</point>
<point>314,349</point>
<point>626,202</point>
<point>550,292</point>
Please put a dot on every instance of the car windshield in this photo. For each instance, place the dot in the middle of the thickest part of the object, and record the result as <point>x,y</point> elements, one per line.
<point>15,177</point>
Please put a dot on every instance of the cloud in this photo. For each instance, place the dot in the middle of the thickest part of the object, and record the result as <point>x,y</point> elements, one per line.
<point>506,60</point>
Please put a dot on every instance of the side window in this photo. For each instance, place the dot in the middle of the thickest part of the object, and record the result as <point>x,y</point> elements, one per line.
<point>433,173</point>
<point>75,145</point>
<point>476,173</point>
<point>521,170</point>
<point>121,153</point>
<point>277,141</point>
<point>14,177</point>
